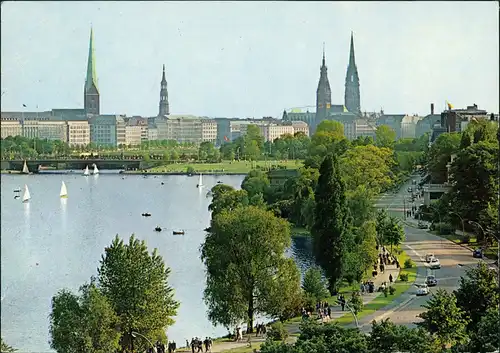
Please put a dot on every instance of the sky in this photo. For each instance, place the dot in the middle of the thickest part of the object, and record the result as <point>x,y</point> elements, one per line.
<point>249,59</point>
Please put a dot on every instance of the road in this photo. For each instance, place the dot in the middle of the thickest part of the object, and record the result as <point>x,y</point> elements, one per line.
<point>418,243</point>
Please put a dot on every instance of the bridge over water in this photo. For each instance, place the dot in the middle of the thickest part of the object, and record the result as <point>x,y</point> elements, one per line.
<point>61,164</point>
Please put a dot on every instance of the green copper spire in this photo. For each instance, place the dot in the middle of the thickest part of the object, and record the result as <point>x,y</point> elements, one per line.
<point>91,72</point>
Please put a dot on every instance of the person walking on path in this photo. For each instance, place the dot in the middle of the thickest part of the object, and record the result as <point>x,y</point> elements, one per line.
<point>390,278</point>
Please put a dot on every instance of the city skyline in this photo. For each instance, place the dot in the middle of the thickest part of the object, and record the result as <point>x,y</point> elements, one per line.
<point>261,74</point>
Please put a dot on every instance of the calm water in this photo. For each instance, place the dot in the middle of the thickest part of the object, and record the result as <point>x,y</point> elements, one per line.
<point>49,244</point>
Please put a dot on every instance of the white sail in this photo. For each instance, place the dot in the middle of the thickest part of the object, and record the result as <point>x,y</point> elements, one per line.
<point>96,171</point>
<point>200,181</point>
<point>25,168</point>
<point>64,191</point>
<point>86,172</point>
<point>26,195</point>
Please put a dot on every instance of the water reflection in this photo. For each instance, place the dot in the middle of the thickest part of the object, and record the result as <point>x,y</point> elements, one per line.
<point>301,251</point>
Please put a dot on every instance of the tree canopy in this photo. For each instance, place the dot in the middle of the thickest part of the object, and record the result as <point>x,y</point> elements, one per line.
<point>247,272</point>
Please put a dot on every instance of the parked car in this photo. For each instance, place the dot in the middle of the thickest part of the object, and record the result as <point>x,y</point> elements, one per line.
<point>435,264</point>
<point>429,257</point>
<point>422,289</point>
<point>422,225</point>
<point>431,281</point>
<point>477,253</point>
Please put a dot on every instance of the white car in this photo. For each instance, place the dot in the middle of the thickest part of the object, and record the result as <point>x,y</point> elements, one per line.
<point>429,257</point>
<point>435,264</point>
<point>422,289</point>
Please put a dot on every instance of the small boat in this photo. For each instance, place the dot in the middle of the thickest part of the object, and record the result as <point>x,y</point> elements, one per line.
<point>25,168</point>
<point>17,190</point>
<point>86,171</point>
<point>64,191</point>
<point>158,229</point>
<point>200,182</point>
<point>178,232</point>
<point>219,182</point>
<point>96,171</point>
<point>26,196</point>
<point>17,197</point>
<point>146,214</point>
<point>162,183</point>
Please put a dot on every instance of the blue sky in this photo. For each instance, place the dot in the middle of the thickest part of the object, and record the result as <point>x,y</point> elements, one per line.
<point>244,59</point>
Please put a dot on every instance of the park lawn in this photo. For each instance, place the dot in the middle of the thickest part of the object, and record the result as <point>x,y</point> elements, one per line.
<point>241,167</point>
<point>255,345</point>
<point>381,301</point>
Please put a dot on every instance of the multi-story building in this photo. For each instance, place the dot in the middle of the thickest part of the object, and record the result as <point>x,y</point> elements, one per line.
<point>10,128</point>
<point>120,131</point>
<point>186,128</point>
<point>272,131</point>
<point>208,130</point>
<point>103,130</point>
<point>403,124</point>
<point>133,135</point>
<point>142,123</point>
<point>78,132</point>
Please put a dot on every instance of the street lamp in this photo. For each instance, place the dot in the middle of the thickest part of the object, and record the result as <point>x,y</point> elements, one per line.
<point>135,334</point>
<point>480,226</point>
<point>352,312</point>
<point>461,219</point>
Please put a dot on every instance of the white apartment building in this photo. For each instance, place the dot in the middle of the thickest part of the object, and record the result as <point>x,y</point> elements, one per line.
<point>133,135</point>
<point>78,133</point>
<point>208,130</point>
<point>10,128</point>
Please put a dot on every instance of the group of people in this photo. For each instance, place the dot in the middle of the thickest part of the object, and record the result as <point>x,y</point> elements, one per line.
<point>160,348</point>
<point>197,343</point>
<point>260,329</point>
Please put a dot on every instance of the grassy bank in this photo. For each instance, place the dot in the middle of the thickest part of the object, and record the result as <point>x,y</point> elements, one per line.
<point>225,167</point>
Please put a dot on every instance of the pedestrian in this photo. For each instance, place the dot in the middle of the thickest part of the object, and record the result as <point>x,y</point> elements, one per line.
<point>390,278</point>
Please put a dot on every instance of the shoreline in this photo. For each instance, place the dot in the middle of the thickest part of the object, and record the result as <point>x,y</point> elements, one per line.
<point>122,173</point>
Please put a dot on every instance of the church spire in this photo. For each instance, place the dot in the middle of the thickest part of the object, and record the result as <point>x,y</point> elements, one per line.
<point>352,61</point>
<point>323,94</point>
<point>164,108</point>
<point>91,91</point>
<point>352,95</point>
<point>91,72</point>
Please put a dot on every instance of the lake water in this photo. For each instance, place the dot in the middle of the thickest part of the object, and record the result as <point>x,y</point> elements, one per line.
<point>49,244</point>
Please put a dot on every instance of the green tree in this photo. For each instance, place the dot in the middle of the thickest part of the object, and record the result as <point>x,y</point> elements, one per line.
<point>330,218</point>
<point>394,233</point>
<point>477,293</point>
<point>444,319</point>
<point>360,205</point>
<point>225,197</point>
<point>83,323</point>
<point>246,268</point>
<point>439,156</point>
<point>369,166</point>
<point>256,182</point>
<point>385,136</point>
<point>4,347</point>
<point>386,337</point>
<point>466,140</point>
<point>314,285</point>
<point>136,284</point>
<point>474,184</point>
<point>486,337</point>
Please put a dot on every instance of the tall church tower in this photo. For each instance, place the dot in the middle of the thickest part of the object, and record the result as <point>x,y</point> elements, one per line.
<point>91,91</point>
<point>352,97</point>
<point>164,107</point>
<point>323,95</point>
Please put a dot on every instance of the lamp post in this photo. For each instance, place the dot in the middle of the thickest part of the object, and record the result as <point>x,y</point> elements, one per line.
<point>461,219</point>
<point>352,312</point>
<point>135,334</point>
<point>480,226</point>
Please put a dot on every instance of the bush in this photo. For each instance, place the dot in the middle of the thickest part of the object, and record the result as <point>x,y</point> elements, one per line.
<point>392,290</point>
<point>190,170</point>
<point>403,277</point>
<point>443,228</point>
<point>277,332</point>
<point>408,263</point>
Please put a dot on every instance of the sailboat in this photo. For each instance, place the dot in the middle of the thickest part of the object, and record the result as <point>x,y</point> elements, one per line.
<point>64,191</point>
<point>26,196</point>
<point>96,171</point>
<point>200,182</point>
<point>86,171</point>
<point>25,168</point>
